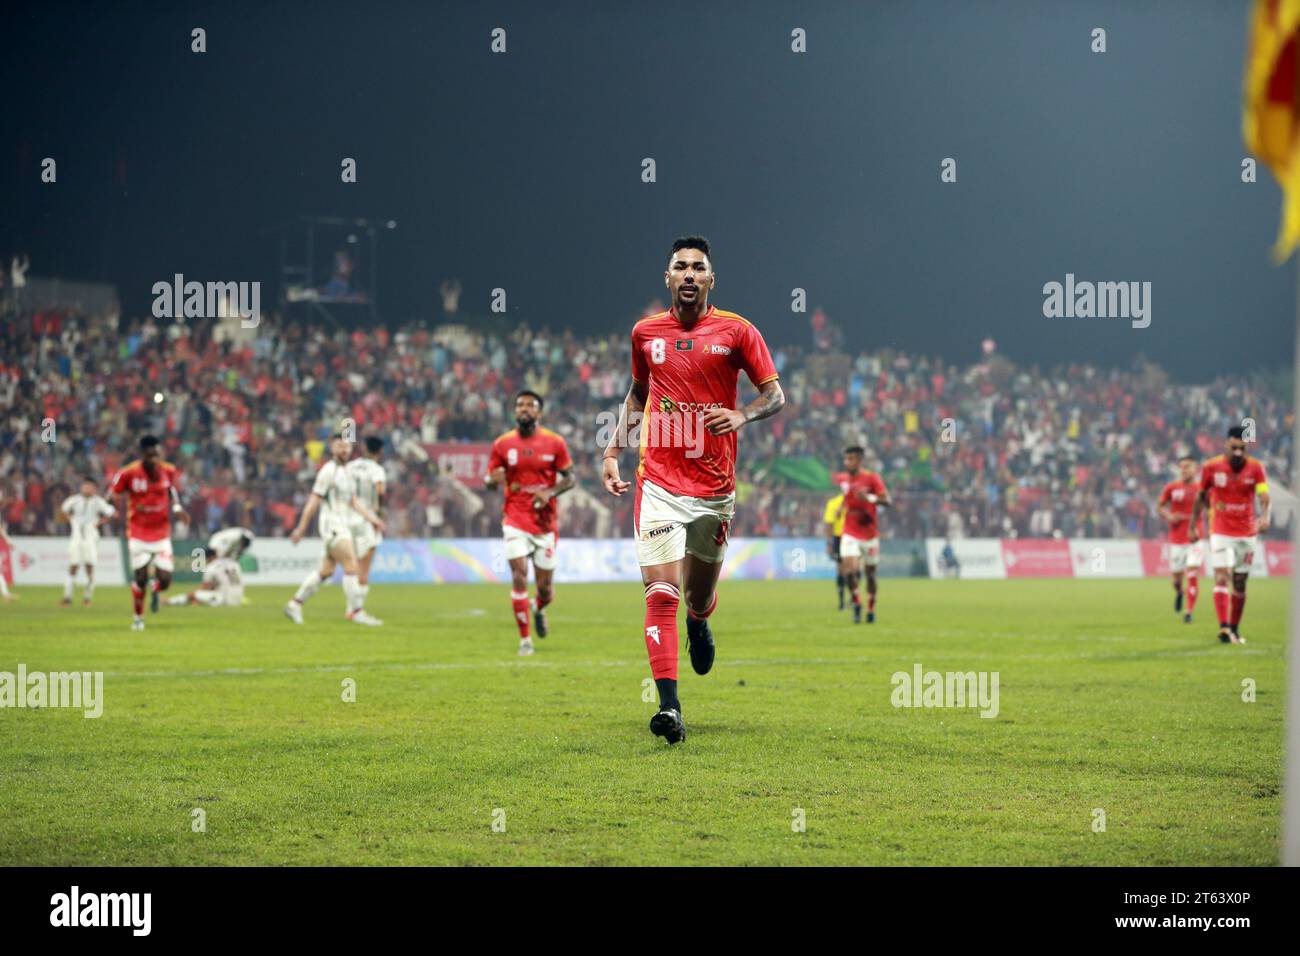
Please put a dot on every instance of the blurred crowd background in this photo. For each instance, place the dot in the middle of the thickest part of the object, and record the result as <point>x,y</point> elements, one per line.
<point>985,449</point>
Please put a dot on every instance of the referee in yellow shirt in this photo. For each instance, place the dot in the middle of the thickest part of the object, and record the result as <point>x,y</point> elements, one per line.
<point>834,520</point>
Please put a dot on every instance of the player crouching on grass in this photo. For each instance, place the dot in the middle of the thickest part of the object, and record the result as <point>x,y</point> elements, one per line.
<point>334,494</point>
<point>686,364</point>
<point>1185,558</point>
<point>222,584</point>
<point>534,465</point>
<point>152,489</point>
<point>1229,486</point>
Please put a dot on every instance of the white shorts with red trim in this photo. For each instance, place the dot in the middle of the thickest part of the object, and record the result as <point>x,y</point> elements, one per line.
<point>1186,557</point>
<point>143,553</point>
<point>668,526</point>
<point>525,544</point>
<point>1228,551</point>
<point>868,549</point>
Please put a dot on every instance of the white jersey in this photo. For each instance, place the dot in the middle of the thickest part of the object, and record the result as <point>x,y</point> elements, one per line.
<point>84,514</point>
<point>225,581</point>
<point>336,485</point>
<point>228,540</point>
<point>368,475</point>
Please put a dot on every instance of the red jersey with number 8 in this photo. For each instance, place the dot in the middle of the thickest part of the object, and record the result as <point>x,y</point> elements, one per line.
<point>688,372</point>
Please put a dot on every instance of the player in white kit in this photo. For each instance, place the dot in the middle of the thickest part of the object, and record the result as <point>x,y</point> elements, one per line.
<point>371,480</point>
<point>334,494</point>
<point>230,542</point>
<point>222,586</point>
<point>86,512</point>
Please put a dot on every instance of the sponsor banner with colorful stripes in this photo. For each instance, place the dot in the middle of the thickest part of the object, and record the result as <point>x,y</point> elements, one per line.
<point>1080,558</point>
<point>44,560</point>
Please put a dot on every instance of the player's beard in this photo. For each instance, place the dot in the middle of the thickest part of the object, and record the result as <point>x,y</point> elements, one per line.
<point>694,305</point>
<point>526,425</point>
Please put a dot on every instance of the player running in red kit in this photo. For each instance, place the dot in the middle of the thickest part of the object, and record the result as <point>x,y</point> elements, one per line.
<point>152,489</point>
<point>1185,557</point>
<point>1229,486</point>
<point>864,492</point>
<point>686,363</point>
<point>534,465</point>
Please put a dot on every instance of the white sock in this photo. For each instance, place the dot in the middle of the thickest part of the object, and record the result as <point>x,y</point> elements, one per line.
<point>90,589</point>
<point>352,592</point>
<point>177,601</point>
<point>4,587</point>
<point>308,587</point>
<point>365,592</point>
<point>68,585</point>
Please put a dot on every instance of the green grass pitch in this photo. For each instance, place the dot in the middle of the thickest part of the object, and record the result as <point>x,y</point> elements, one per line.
<point>1107,702</point>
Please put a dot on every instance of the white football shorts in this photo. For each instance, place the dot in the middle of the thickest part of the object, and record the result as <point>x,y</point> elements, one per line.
<point>143,553</point>
<point>524,544</point>
<point>669,526</point>
<point>1228,551</point>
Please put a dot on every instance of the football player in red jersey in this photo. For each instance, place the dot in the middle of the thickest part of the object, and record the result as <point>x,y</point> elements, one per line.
<point>1185,558</point>
<point>152,489</point>
<point>686,363</point>
<point>534,465</point>
<point>864,492</point>
<point>1229,486</point>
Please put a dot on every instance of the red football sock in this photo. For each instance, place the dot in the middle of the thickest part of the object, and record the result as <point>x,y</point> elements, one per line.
<point>1238,605</point>
<point>519,602</point>
<point>853,588</point>
<point>661,600</point>
<point>157,585</point>
<point>713,606</point>
<point>1192,591</point>
<point>137,599</point>
<point>1221,604</point>
<point>871,600</point>
<point>544,599</point>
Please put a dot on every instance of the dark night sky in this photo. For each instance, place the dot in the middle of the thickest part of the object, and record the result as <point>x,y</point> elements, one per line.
<point>818,170</point>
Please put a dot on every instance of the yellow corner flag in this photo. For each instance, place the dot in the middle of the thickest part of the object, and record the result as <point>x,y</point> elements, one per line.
<point>1271,112</point>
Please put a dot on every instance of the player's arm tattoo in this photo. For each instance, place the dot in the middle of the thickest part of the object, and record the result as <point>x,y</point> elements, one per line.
<point>564,483</point>
<point>633,405</point>
<point>771,399</point>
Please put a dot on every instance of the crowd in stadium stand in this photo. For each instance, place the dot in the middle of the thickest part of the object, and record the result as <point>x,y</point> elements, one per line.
<point>983,450</point>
